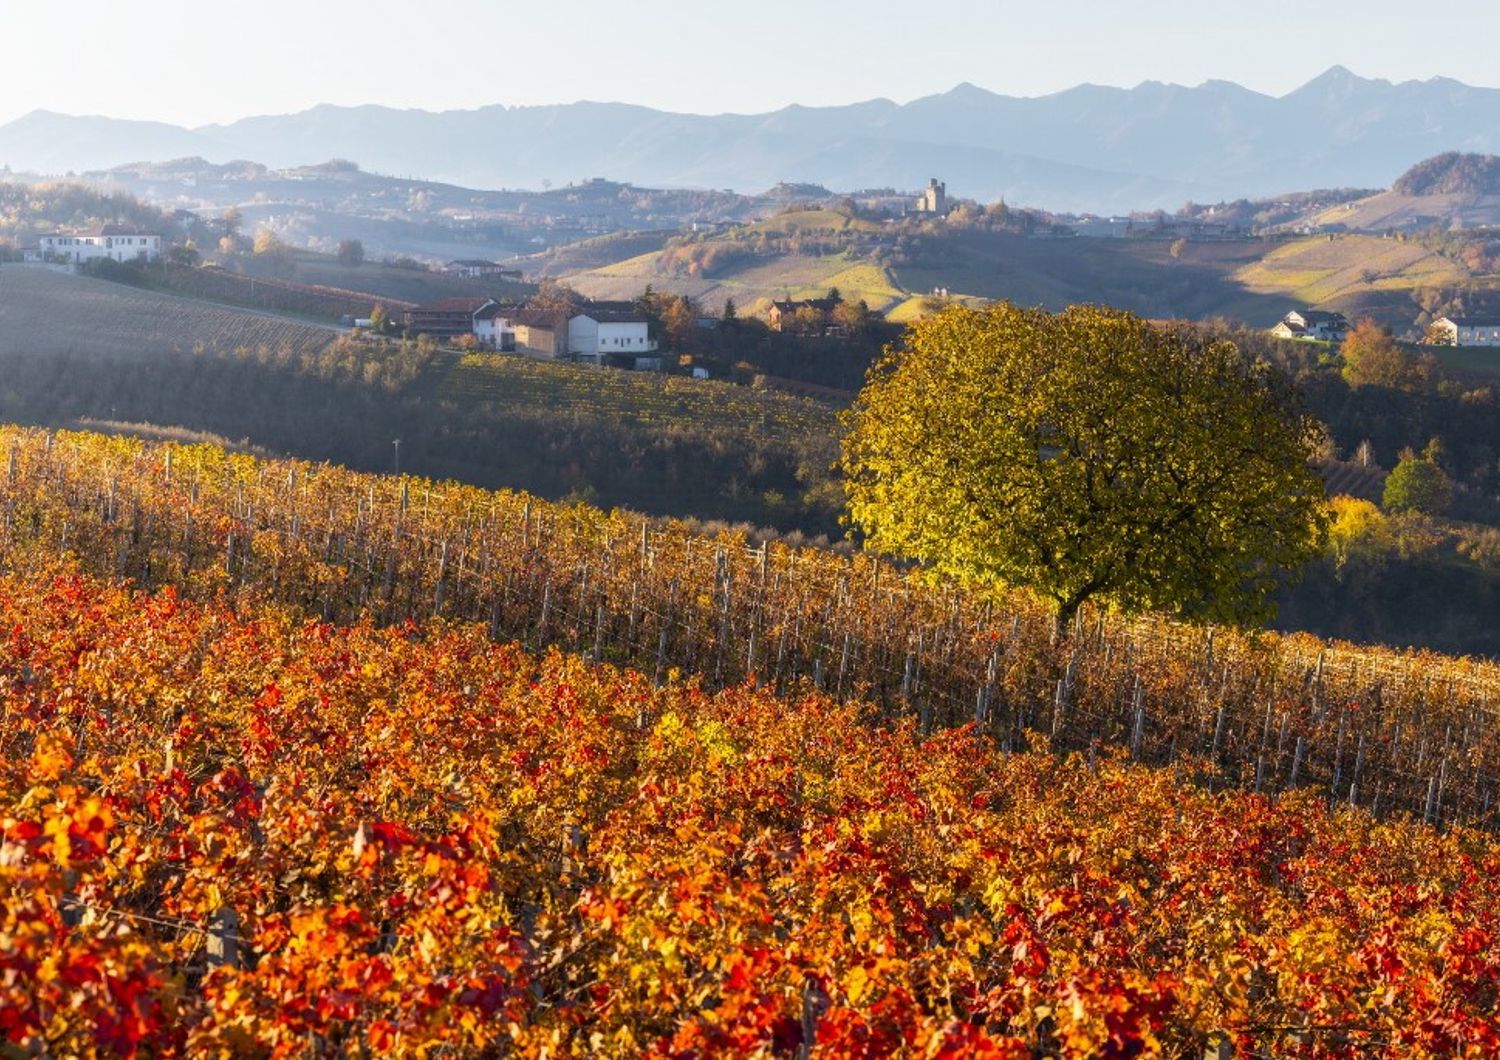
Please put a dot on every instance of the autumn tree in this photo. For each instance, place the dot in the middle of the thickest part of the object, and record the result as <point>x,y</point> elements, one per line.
<point>1372,357</point>
<point>853,317</point>
<point>554,297</point>
<point>1418,484</point>
<point>808,320</point>
<point>268,244</point>
<point>679,319</point>
<point>1088,455</point>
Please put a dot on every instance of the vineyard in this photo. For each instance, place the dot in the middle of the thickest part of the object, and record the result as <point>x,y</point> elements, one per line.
<point>511,381</point>
<point>239,832</point>
<point>1389,732</point>
<point>276,295</point>
<point>47,312</point>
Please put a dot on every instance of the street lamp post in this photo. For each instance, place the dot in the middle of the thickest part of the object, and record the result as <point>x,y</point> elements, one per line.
<point>396,442</point>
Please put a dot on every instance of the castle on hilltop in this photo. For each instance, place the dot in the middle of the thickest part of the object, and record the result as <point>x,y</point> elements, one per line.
<point>934,200</point>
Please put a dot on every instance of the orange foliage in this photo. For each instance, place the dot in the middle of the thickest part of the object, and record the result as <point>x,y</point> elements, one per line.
<point>248,833</point>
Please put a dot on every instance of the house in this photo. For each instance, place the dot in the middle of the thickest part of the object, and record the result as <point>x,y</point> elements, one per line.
<point>540,332</point>
<point>609,336</point>
<point>934,200</point>
<point>781,313</point>
<point>447,319</point>
<point>1315,325</point>
<point>492,327</point>
<point>1467,331</point>
<point>115,242</point>
<point>478,269</point>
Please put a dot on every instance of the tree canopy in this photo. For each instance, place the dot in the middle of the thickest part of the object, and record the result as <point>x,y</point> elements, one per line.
<point>1087,454</point>
<point>1418,484</point>
<point>1373,357</point>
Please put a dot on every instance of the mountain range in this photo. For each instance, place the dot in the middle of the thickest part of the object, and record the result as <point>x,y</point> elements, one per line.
<point>1088,148</point>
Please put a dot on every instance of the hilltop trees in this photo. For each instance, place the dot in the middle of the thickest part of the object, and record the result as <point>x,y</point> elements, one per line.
<point>1372,357</point>
<point>1089,455</point>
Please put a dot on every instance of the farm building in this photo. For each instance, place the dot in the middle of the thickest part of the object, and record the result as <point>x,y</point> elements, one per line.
<point>609,337</point>
<point>492,327</point>
<point>781,313</point>
<point>447,319</point>
<point>541,332</point>
<point>115,242</point>
<point>1467,331</point>
<point>478,269</point>
<point>1313,324</point>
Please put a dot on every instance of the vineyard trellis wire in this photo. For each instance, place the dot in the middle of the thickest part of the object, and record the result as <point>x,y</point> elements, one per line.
<point>1390,731</point>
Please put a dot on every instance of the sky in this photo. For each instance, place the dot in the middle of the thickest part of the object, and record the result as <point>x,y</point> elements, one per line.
<point>193,62</point>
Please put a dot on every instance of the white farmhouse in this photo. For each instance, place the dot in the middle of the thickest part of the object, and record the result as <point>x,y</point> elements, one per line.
<point>1314,324</point>
<point>116,242</point>
<point>493,328</point>
<point>1468,331</point>
<point>600,336</point>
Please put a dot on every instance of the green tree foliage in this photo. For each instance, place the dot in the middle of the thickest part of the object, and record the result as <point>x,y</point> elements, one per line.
<point>1418,484</point>
<point>351,252</point>
<point>1372,357</point>
<point>1087,454</point>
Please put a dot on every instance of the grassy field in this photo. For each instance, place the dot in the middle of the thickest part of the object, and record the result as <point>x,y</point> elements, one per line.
<point>658,402</point>
<point>42,311</point>
<point>1476,360</point>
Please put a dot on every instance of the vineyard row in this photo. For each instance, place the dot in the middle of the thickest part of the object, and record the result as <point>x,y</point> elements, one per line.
<point>1390,731</point>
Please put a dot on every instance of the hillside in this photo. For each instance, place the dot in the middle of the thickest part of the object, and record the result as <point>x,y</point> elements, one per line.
<point>228,830</point>
<point>1358,274</point>
<point>75,348</point>
<point>1449,190</point>
<point>1451,173</point>
<point>892,266</point>
<point>48,312</point>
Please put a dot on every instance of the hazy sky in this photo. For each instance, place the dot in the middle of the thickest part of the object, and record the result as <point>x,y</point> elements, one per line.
<point>199,61</point>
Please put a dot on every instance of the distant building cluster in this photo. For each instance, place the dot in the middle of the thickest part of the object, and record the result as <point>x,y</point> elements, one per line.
<point>615,334</point>
<point>479,269</point>
<point>114,242</point>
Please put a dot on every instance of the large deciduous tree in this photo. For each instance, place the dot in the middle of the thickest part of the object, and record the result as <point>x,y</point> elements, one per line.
<point>1373,357</point>
<point>1089,455</point>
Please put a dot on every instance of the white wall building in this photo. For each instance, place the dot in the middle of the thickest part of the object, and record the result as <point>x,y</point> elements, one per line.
<point>1468,331</point>
<point>492,326</point>
<point>599,335</point>
<point>112,241</point>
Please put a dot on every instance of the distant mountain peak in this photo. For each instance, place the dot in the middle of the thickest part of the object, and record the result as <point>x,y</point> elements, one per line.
<point>1336,80</point>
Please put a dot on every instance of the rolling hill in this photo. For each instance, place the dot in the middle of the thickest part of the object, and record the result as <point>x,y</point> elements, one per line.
<point>48,312</point>
<point>895,267</point>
